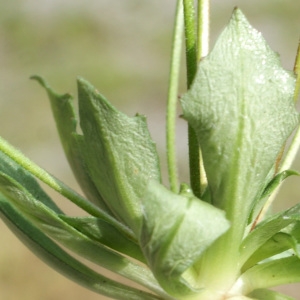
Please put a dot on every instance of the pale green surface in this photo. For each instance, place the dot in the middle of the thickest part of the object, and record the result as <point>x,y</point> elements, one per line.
<point>241,107</point>
<point>262,294</point>
<point>177,229</point>
<point>21,190</point>
<point>52,46</point>
<point>119,153</point>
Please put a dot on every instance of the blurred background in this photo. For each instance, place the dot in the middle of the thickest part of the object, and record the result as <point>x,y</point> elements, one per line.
<point>122,47</point>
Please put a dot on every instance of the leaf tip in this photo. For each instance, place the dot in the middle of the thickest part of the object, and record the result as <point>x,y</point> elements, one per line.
<point>238,16</point>
<point>81,80</point>
<point>84,87</point>
<point>40,80</point>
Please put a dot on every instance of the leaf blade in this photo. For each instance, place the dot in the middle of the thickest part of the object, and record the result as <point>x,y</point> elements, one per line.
<point>100,231</point>
<point>269,274</point>
<point>264,294</point>
<point>61,261</point>
<point>51,224</point>
<point>120,155</point>
<point>176,230</point>
<point>66,122</point>
<point>241,106</point>
<point>266,230</point>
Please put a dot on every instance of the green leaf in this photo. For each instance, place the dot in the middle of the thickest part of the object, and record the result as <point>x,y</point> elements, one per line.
<point>294,230</point>
<point>99,230</point>
<point>266,230</point>
<point>65,118</point>
<point>276,181</point>
<point>265,294</point>
<point>269,274</point>
<point>24,178</point>
<point>63,262</point>
<point>272,185</point>
<point>297,73</point>
<point>241,107</point>
<point>51,224</point>
<point>120,155</point>
<point>278,243</point>
<point>176,230</point>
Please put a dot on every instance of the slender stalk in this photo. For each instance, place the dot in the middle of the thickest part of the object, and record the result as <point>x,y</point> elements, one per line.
<point>297,73</point>
<point>203,49</point>
<point>59,186</point>
<point>173,97</point>
<point>191,66</point>
<point>190,40</point>
<point>203,27</point>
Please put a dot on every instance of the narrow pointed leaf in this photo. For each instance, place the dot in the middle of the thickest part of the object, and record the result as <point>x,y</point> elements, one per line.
<point>24,178</point>
<point>265,294</point>
<point>269,274</point>
<point>63,262</point>
<point>55,227</point>
<point>269,189</point>
<point>120,155</point>
<point>241,107</point>
<point>100,231</point>
<point>278,243</point>
<point>18,167</point>
<point>66,122</point>
<point>176,230</point>
<point>297,73</point>
<point>266,230</point>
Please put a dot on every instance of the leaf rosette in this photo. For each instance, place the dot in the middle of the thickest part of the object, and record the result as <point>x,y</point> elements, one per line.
<point>177,246</point>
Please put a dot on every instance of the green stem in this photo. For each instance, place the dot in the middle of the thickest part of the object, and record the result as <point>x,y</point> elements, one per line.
<point>173,97</point>
<point>203,49</point>
<point>191,65</point>
<point>59,186</point>
<point>297,73</point>
<point>190,40</point>
<point>294,147</point>
<point>291,153</point>
<point>203,27</point>
<point>194,162</point>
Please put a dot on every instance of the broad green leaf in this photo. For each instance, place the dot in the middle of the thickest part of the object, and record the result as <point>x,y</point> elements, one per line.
<point>176,230</point>
<point>51,224</point>
<point>120,155</point>
<point>241,107</point>
<point>63,262</point>
<point>99,230</point>
<point>265,230</point>
<point>265,294</point>
<point>269,274</point>
<point>66,122</point>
